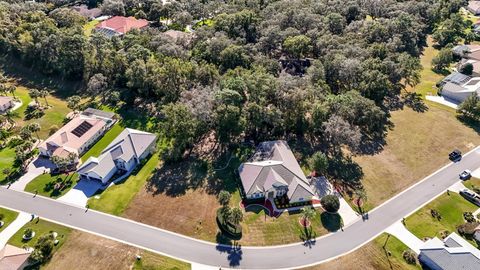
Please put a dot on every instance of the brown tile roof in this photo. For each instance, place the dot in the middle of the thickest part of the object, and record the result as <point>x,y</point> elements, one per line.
<point>5,100</point>
<point>12,258</point>
<point>122,24</point>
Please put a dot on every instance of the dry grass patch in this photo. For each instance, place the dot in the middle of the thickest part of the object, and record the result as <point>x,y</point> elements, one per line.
<point>372,256</point>
<point>417,146</point>
<point>89,252</point>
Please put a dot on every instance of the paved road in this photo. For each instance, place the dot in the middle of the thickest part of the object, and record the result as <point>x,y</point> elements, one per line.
<point>201,252</point>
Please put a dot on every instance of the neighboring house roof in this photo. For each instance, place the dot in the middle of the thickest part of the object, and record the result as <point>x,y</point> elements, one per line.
<point>128,144</point>
<point>98,113</point>
<point>475,64</point>
<point>4,101</point>
<point>119,25</point>
<point>13,258</point>
<point>274,165</point>
<point>453,253</point>
<point>457,78</point>
<point>474,6</point>
<point>73,135</point>
<point>91,13</point>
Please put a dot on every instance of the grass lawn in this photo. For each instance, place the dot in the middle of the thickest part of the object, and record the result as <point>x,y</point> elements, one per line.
<point>115,199</point>
<point>152,261</point>
<point>260,229</point>
<point>103,142</point>
<point>471,183</point>
<point>45,184</point>
<point>7,157</point>
<point>450,207</point>
<point>428,77</point>
<point>40,228</point>
<point>372,256</point>
<point>8,217</point>
<point>88,27</point>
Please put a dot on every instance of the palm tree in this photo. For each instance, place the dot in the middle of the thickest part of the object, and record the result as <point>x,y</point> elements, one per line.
<point>44,94</point>
<point>360,198</point>
<point>224,197</point>
<point>34,127</point>
<point>236,216</point>
<point>34,94</point>
<point>307,214</point>
<point>11,89</point>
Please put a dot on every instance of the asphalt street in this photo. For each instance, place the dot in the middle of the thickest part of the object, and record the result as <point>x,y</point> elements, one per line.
<point>274,257</point>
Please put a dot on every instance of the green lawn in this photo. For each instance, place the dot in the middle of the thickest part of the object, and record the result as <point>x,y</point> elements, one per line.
<point>471,183</point>
<point>8,217</point>
<point>88,27</point>
<point>428,77</point>
<point>450,207</point>
<point>40,228</point>
<point>115,199</point>
<point>45,184</point>
<point>103,142</point>
<point>7,157</point>
<point>396,248</point>
<point>152,261</point>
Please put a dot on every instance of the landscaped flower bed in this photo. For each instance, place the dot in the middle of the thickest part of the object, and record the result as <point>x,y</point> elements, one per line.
<point>230,229</point>
<point>283,203</point>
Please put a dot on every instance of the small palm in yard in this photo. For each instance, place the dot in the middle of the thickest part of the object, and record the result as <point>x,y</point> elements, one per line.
<point>236,216</point>
<point>360,198</point>
<point>307,214</point>
<point>224,197</point>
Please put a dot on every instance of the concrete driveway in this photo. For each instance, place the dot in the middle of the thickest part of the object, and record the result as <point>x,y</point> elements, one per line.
<point>37,167</point>
<point>81,192</point>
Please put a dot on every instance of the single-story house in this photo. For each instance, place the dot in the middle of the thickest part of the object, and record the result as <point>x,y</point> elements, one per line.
<point>6,103</point>
<point>469,54</point>
<point>273,172</point>
<point>75,137</point>
<point>476,235</point>
<point>119,25</point>
<point>122,155</point>
<point>89,13</point>
<point>459,87</point>
<point>474,7</point>
<point>13,258</point>
<point>452,253</point>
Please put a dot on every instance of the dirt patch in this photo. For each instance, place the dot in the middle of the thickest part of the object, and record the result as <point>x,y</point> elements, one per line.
<point>87,251</point>
<point>192,213</point>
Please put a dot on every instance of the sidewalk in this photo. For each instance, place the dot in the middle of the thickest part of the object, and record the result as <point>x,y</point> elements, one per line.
<point>18,223</point>
<point>404,235</point>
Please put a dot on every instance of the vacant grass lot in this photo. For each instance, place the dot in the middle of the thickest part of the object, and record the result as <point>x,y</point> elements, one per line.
<point>89,252</point>
<point>40,227</point>
<point>8,217</point>
<point>7,157</point>
<point>115,199</point>
<point>450,207</point>
<point>417,146</point>
<point>372,256</point>
<point>44,184</point>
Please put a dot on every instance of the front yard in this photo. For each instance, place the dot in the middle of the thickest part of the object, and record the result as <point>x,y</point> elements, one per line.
<point>7,158</point>
<point>379,254</point>
<point>450,207</point>
<point>52,186</point>
<point>40,227</point>
<point>8,217</point>
<point>116,199</point>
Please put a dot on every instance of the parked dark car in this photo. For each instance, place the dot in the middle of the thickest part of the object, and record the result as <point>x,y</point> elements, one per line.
<point>465,175</point>
<point>470,196</point>
<point>456,155</point>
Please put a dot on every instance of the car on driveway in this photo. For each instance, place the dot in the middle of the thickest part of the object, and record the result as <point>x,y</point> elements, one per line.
<point>465,175</point>
<point>470,196</point>
<point>455,155</point>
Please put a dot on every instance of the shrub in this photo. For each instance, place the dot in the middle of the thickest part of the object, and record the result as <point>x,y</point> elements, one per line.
<point>435,214</point>
<point>330,203</point>
<point>468,216</point>
<point>28,233</point>
<point>1,216</point>
<point>444,234</point>
<point>53,129</point>
<point>43,249</point>
<point>410,256</point>
<point>467,228</point>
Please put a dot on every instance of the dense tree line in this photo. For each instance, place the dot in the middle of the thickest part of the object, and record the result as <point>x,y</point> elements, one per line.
<point>325,70</point>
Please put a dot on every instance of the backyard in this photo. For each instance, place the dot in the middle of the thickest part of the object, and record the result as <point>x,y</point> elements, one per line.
<point>450,207</point>
<point>8,217</point>
<point>103,142</point>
